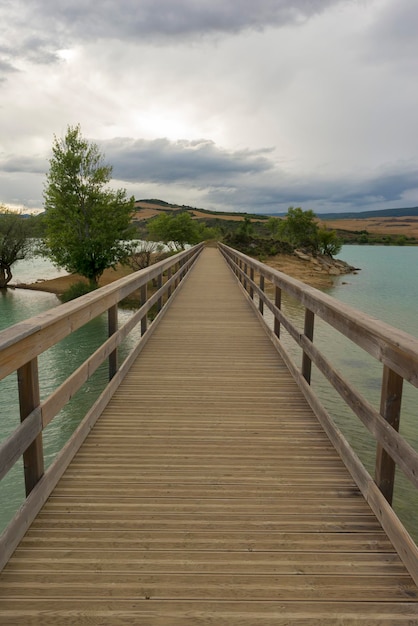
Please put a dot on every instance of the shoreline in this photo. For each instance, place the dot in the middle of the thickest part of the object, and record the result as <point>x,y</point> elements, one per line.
<point>319,272</point>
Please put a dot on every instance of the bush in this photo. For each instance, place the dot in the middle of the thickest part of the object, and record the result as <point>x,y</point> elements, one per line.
<point>75,291</point>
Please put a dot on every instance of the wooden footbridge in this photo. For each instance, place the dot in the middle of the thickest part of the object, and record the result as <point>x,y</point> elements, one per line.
<point>207,484</point>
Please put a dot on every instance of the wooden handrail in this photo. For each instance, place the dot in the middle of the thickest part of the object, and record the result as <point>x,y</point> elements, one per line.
<point>20,346</point>
<point>394,348</point>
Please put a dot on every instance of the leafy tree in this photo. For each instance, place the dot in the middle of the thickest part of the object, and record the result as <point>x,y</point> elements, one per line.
<point>178,230</point>
<point>246,227</point>
<point>275,226</point>
<point>300,228</point>
<point>87,224</point>
<point>14,242</point>
<point>328,242</point>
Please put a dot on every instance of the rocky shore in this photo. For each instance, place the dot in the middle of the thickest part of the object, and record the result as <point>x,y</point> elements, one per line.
<point>317,271</point>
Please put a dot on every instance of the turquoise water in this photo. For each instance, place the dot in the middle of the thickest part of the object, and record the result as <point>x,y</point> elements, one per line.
<point>386,287</point>
<point>55,365</point>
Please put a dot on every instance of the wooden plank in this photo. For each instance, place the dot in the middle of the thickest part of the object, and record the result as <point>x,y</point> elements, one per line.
<point>210,586</point>
<point>199,613</point>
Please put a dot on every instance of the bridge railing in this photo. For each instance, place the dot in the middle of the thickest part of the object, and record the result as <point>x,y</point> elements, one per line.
<point>396,350</point>
<point>20,347</point>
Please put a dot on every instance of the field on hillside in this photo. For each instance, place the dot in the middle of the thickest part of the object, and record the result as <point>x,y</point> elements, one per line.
<point>407,226</point>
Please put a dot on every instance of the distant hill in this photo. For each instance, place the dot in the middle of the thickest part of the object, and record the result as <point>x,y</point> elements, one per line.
<point>161,205</point>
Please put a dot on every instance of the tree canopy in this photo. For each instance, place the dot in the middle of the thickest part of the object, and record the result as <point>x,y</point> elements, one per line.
<point>300,228</point>
<point>87,223</point>
<point>14,242</point>
<point>178,230</point>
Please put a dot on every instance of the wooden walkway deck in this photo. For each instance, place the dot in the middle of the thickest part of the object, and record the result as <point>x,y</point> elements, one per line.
<point>207,493</point>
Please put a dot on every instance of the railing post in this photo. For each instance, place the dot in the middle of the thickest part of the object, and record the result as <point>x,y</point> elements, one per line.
<point>175,270</point>
<point>143,298</point>
<point>245,277</point>
<point>112,323</point>
<point>390,409</point>
<point>169,290</point>
<point>278,303</point>
<point>251,284</point>
<point>159,285</point>
<point>308,332</point>
<point>29,399</point>
<point>260,301</point>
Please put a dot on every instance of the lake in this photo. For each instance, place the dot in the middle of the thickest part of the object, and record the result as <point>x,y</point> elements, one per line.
<point>386,287</point>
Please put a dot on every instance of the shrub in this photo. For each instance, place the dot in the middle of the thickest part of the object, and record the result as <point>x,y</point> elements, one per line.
<point>75,291</point>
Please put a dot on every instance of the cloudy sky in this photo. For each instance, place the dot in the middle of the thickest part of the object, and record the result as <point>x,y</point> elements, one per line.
<point>222,104</point>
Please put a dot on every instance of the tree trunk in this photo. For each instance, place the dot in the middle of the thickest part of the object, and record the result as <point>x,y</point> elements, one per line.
<point>5,275</point>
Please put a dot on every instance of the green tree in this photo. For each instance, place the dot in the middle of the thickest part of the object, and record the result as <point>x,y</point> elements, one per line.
<point>87,223</point>
<point>328,242</point>
<point>275,226</point>
<point>300,228</point>
<point>177,230</point>
<point>14,242</point>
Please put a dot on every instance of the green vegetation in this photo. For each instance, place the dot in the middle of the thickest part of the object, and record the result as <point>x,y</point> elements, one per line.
<point>15,243</point>
<point>283,235</point>
<point>177,230</point>
<point>87,224</point>
<point>76,290</point>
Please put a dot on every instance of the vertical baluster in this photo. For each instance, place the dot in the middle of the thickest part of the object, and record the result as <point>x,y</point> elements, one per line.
<point>390,409</point>
<point>168,278</point>
<point>29,399</point>
<point>308,332</point>
<point>112,323</point>
<point>278,303</point>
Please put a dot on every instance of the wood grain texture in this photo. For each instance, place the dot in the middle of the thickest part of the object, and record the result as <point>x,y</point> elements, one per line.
<point>207,494</point>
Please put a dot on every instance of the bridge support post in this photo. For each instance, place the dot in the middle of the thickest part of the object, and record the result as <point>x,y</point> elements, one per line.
<point>251,283</point>
<point>278,303</point>
<point>308,332</point>
<point>260,301</point>
<point>29,399</point>
<point>390,409</point>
